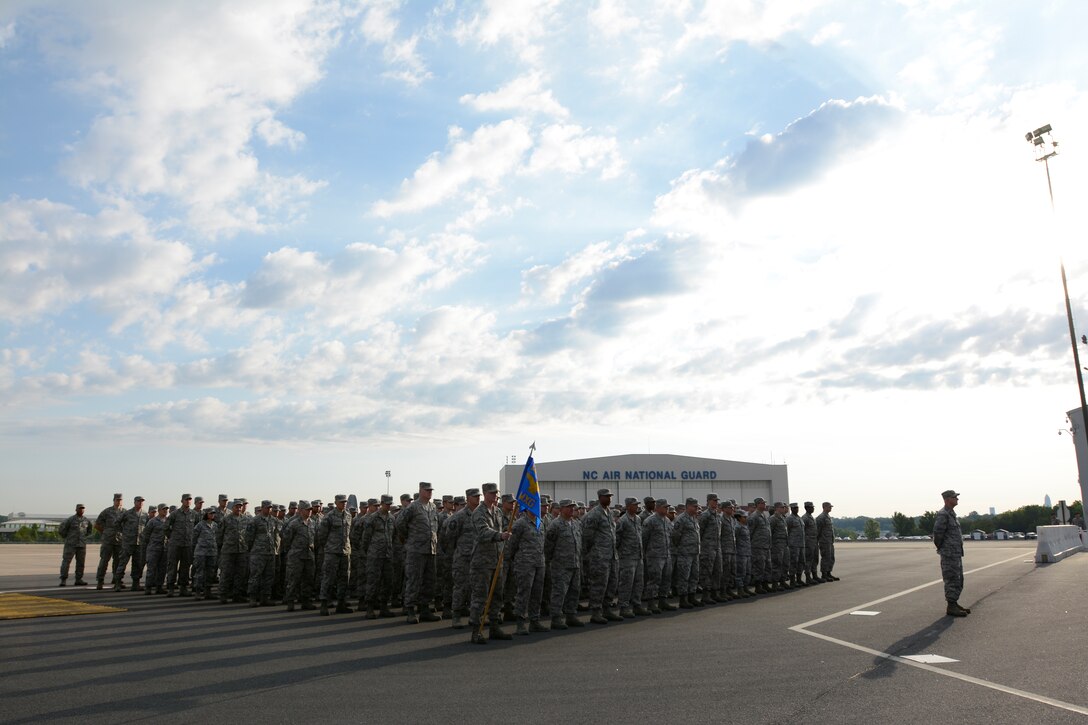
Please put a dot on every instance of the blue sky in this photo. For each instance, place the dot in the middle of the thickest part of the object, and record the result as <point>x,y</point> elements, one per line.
<point>276,248</point>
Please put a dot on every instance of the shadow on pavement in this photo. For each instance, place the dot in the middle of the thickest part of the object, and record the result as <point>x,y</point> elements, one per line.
<point>911,644</point>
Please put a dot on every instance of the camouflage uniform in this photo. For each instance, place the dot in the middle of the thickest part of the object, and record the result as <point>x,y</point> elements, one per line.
<point>74,530</point>
<point>629,550</point>
<point>417,526</point>
<point>179,548</point>
<point>563,552</point>
<point>444,564</point>
<point>154,541</point>
<point>109,550</point>
<point>261,542</point>
<point>526,547</point>
<point>948,538</point>
<point>795,535</point>
<point>685,537</point>
<point>825,537</point>
<point>486,558</point>
<point>297,542</point>
<point>460,540</point>
<point>333,535</point>
<point>780,550</point>
<point>233,552</point>
<point>599,544</point>
<point>812,549</point>
<point>132,525</point>
<point>656,543</point>
<point>205,535</point>
<point>377,542</point>
<point>729,554</point>
<point>710,553</point>
<point>759,531</point>
<point>744,555</point>
<point>357,571</point>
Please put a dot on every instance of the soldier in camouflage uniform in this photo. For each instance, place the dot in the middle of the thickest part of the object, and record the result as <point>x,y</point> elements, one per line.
<point>316,514</point>
<point>461,541</point>
<point>204,548</point>
<point>710,550</point>
<point>154,543</point>
<point>780,550</point>
<point>759,533</point>
<point>825,537</point>
<point>233,552</point>
<point>377,543</point>
<point>656,545</point>
<point>563,552</point>
<point>948,538</point>
<point>399,554</point>
<point>109,551</point>
<point>629,551</point>
<point>357,577</point>
<point>297,548</point>
<point>485,567</point>
<point>132,525</point>
<point>334,536</point>
<point>508,584</point>
<point>444,562</point>
<point>685,537</point>
<point>728,587</point>
<point>261,541</point>
<point>74,530</point>
<point>744,554</point>
<point>179,546</point>
<point>417,527</point>
<point>795,528</point>
<point>599,545</point>
<point>526,558</point>
<point>648,505</point>
<point>812,548</point>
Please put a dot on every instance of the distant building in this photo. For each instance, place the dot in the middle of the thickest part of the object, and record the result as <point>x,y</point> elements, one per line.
<point>1046,501</point>
<point>993,511</point>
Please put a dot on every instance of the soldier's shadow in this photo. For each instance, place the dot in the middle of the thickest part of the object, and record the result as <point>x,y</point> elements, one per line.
<point>913,643</point>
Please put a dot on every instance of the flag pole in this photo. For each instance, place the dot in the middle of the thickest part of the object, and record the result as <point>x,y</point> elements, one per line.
<point>498,566</point>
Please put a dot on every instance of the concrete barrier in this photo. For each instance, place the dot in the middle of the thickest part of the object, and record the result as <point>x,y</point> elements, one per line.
<point>1056,543</point>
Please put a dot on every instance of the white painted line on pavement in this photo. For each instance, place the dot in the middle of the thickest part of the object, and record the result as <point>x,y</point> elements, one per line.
<point>929,659</point>
<point>801,629</point>
<point>863,613</point>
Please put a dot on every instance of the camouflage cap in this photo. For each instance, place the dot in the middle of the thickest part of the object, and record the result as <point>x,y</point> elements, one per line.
<point>425,486</point>
<point>460,500</point>
<point>712,497</point>
<point>809,503</point>
<point>661,502</point>
<point>447,497</point>
<point>508,498</point>
<point>265,503</point>
<point>222,497</point>
<point>341,497</point>
<point>630,500</point>
<point>303,504</point>
<point>689,501</point>
<point>564,503</point>
<point>603,492</point>
<point>490,488</point>
<point>315,503</point>
<point>117,496</point>
<point>759,500</point>
<point>375,502</point>
<point>139,498</point>
<point>162,507</point>
<point>472,492</point>
<point>198,499</point>
<point>386,498</point>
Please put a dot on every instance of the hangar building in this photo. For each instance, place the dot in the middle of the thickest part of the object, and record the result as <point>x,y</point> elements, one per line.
<point>659,475</point>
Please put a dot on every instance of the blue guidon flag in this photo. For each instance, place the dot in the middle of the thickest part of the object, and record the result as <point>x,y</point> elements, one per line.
<point>528,497</point>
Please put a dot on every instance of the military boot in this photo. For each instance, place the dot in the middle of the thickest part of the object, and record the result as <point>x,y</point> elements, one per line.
<point>372,614</point>
<point>477,636</point>
<point>308,606</point>
<point>410,616</point>
<point>62,583</point>
<point>136,586</point>
<point>428,615</point>
<point>641,611</point>
<point>386,613</point>
<point>685,602</point>
<point>343,608</point>
<point>558,623</point>
<point>697,601</point>
<point>655,607</point>
<point>117,586</point>
<point>254,604</point>
<point>150,590</point>
<point>597,618</point>
<point>290,606</point>
<point>612,615</point>
<point>99,585</point>
<point>955,610</point>
<point>185,592</point>
<point>573,621</point>
<point>169,592</point>
<point>80,583</point>
<point>535,625</point>
<point>523,627</point>
<point>627,613</point>
<point>963,607</point>
<point>324,607</point>
<point>665,606</point>
<point>496,632</point>
<point>458,623</point>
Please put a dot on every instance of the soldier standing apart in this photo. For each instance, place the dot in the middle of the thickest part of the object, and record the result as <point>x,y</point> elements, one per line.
<point>490,538</point>
<point>377,543</point>
<point>297,542</point>
<point>948,539</point>
<point>334,536</point>
<point>744,554</point>
<point>74,530</point>
<point>109,551</point>
<point>825,537</point>
<point>232,555</point>
<point>685,536</point>
<point>759,533</point>
<point>179,546</point>
<point>563,552</point>
<point>656,541</point>
<point>812,549</point>
<point>629,550</point>
<point>526,554</point>
<point>461,540</point>
<point>132,525</point>
<point>599,543</point>
<point>729,583</point>
<point>204,547</point>
<point>261,542</point>
<point>710,550</point>
<point>154,544</point>
<point>417,526</point>
<point>795,528</point>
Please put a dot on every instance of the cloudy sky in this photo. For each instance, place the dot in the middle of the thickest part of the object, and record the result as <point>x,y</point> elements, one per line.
<point>275,248</point>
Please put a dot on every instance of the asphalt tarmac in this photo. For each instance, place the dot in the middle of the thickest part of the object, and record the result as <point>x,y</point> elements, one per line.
<point>801,656</point>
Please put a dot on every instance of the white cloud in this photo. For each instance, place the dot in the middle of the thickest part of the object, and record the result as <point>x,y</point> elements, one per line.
<point>755,21</point>
<point>521,23</point>
<point>828,32</point>
<point>550,284</point>
<point>184,93</point>
<point>491,153</point>
<point>612,20</point>
<point>7,34</point>
<point>379,26</point>
<point>571,149</point>
<point>524,94</point>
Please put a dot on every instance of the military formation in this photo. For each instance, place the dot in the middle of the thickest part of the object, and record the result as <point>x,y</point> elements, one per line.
<point>474,559</point>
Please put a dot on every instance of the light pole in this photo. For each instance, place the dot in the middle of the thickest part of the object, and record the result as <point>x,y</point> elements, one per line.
<point>1046,148</point>
<point>387,475</point>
